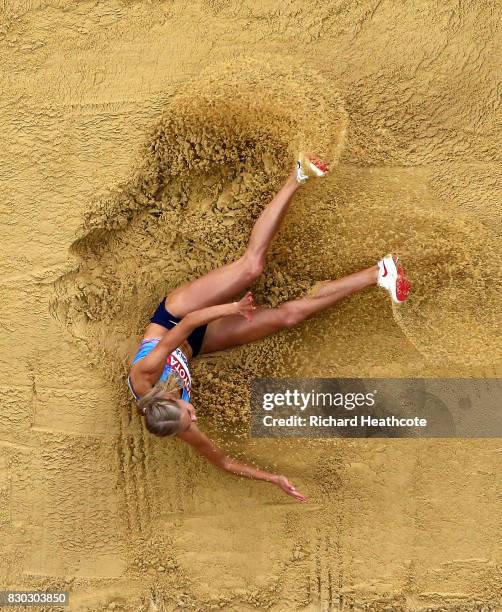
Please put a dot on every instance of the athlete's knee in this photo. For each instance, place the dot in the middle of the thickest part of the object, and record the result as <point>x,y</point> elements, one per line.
<point>291,314</point>
<point>253,265</point>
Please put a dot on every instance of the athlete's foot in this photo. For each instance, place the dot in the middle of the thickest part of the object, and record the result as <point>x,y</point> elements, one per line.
<point>392,277</point>
<point>310,166</point>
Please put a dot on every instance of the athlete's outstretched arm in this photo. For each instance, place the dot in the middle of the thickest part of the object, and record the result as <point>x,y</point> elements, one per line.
<point>214,455</point>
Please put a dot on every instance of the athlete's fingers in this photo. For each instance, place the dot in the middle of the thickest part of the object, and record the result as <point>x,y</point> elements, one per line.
<point>248,299</point>
<point>291,490</point>
<point>297,495</point>
<point>300,496</point>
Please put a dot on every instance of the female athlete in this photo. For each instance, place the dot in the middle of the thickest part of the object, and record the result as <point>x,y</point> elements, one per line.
<point>200,317</point>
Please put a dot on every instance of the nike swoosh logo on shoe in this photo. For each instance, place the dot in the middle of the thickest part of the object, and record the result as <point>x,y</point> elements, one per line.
<point>384,269</point>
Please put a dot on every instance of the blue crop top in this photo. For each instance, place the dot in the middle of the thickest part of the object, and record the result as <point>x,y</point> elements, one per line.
<point>176,362</point>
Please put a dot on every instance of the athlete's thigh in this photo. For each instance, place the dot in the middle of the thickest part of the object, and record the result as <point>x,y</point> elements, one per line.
<point>217,287</point>
<point>235,330</point>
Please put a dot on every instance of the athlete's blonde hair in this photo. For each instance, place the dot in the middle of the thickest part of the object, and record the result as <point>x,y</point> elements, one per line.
<point>162,416</point>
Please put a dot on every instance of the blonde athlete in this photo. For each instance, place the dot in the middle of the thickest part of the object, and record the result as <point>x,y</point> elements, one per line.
<point>200,317</point>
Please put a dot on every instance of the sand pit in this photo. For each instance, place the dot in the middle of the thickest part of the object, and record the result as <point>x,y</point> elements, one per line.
<point>140,142</point>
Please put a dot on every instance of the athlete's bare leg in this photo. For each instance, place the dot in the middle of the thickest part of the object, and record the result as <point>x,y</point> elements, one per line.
<point>221,285</point>
<point>232,331</point>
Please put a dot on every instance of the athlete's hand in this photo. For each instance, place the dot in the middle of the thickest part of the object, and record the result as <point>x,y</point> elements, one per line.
<point>288,488</point>
<point>245,306</point>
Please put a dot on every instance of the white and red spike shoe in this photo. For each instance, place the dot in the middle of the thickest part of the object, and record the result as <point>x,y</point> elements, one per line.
<point>309,166</point>
<point>392,276</point>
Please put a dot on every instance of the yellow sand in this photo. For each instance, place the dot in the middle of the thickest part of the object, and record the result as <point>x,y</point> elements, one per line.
<point>140,141</point>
